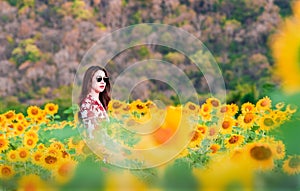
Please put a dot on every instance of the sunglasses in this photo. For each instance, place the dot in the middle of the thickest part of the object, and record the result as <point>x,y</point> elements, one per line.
<point>100,78</point>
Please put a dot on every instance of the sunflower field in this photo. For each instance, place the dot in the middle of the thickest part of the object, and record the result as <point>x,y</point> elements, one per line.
<point>228,143</point>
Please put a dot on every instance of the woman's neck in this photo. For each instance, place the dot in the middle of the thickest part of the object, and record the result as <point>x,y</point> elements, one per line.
<point>94,95</point>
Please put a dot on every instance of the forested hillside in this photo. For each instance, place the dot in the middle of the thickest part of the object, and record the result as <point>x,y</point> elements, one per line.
<point>43,42</point>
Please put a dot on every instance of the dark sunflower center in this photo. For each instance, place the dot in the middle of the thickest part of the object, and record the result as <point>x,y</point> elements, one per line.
<point>268,122</point>
<point>225,124</point>
<point>233,139</point>
<point>50,160</point>
<point>195,136</point>
<point>23,154</point>
<point>214,103</point>
<point>139,106</point>
<point>294,162</point>
<point>248,118</point>
<point>116,105</point>
<point>192,107</point>
<point>260,153</point>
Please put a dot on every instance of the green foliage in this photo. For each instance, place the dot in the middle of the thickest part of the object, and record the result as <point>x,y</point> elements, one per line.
<point>285,7</point>
<point>136,17</point>
<point>21,3</point>
<point>26,51</point>
<point>179,177</point>
<point>143,51</point>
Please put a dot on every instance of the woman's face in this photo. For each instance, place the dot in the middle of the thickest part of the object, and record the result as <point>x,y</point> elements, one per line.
<point>99,81</point>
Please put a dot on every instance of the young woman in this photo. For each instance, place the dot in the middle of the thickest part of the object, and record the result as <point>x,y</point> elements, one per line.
<point>94,98</point>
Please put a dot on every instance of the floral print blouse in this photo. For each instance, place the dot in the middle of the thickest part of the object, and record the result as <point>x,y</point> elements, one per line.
<point>92,110</point>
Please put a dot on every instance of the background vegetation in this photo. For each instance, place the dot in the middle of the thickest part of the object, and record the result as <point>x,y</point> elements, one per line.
<point>43,42</point>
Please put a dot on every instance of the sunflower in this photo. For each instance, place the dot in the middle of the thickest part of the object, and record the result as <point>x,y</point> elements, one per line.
<point>31,133</point>
<point>19,128</point>
<point>20,117</point>
<point>214,148</point>
<point>6,172</point>
<point>10,115</point>
<point>41,118</point>
<point>29,142</point>
<point>191,108</point>
<point>53,151</point>
<point>224,109</point>
<point>289,110</point>
<point>234,140</point>
<point>58,145</point>
<point>226,124</point>
<point>260,155</point>
<point>64,170</point>
<point>247,120</point>
<point>138,106</point>
<point>285,49</point>
<point>51,108</point>
<point>266,122</point>
<point>12,156</point>
<point>23,154</point>
<point>214,102</point>
<point>264,104</point>
<point>33,112</point>
<point>292,165</point>
<point>202,129</point>
<point>196,139</point>
<point>248,108</point>
<point>115,105</point>
<point>41,147</point>
<point>4,144</point>
<point>279,105</point>
<point>32,182</point>
<point>206,117</point>
<point>278,149</point>
<point>205,109</point>
<point>234,109</point>
<point>37,157</point>
<point>49,161</point>
<point>72,143</point>
<point>213,132</point>
<point>2,121</point>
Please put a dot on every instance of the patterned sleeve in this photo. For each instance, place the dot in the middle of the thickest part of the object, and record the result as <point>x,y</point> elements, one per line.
<point>86,110</point>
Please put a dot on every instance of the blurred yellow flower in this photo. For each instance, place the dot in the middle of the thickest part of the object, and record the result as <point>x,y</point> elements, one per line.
<point>278,149</point>
<point>6,172</point>
<point>285,46</point>
<point>32,182</point>
<point>64,170</point>
<point>260,155</point>
<point>292,165</point>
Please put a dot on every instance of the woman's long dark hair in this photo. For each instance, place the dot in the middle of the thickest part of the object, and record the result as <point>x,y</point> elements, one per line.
<point>104,97</point>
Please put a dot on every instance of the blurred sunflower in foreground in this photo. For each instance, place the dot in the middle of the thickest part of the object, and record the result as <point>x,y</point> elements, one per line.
<point>286,51</point>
